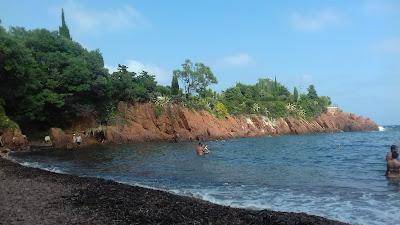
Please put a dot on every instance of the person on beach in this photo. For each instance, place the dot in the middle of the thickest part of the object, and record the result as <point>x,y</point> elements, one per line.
<point>393,163</point>
<point>47,139</point>
<point>78,140</point>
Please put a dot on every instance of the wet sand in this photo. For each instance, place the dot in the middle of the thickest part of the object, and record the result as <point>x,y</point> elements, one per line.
<point>34,196</point>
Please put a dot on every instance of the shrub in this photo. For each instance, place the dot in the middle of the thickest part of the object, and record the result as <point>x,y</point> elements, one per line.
<point>5,122</point>
<point>158,110</point>
<point>220,110</point>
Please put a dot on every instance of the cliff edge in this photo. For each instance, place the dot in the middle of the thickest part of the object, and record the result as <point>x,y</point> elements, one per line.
<point>136,123</point>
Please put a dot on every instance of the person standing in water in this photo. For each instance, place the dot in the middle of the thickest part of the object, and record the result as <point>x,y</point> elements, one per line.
<point>199,149</point>
<point>393,164</point>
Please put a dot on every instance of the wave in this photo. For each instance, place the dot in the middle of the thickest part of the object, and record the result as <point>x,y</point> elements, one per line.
<point>37,165</point>
<point>244,196</point>
<point>43,167</point>
<point>333,206</point>
<point>381,128</point>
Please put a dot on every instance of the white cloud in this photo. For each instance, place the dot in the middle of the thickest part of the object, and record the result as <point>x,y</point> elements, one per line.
<point>136,66</point>
<point>316,21</point>
<point>111,69</point>
<point>85,19</point>
<point>380,7</point>
<point>238,60</point>
<point>391,45</point>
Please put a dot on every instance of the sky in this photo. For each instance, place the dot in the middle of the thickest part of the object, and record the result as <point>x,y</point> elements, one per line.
<point>350,50</point>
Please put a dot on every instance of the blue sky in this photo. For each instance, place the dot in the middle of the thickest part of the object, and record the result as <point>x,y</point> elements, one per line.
<point>350,50</point>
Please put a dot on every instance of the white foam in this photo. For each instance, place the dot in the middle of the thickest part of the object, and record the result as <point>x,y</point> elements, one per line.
<point>381,128</point>
<point>365,210</point>
<point>40,166</point>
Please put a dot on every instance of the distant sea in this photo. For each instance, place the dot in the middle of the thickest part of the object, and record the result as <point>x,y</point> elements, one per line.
<point>339,175</point>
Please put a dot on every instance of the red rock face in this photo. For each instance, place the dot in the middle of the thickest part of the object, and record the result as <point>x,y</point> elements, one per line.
<point>138,123</point>
<point>60,139</point>
<point>181,124</point>
<point>15,140</point>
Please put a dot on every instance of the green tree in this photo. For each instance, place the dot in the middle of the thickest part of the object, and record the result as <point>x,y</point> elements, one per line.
<point>174,85</point>
<point>18,76</point>
<point>196,78</point>
<point>122,84</point>
<point>49,79</point>
<point>147,81</point>
<point>162,90</point>
<point>63,29</point>
<point>233,99</point>
<point>295,94</point>
<point>130,87</point>
<point>312,93</point>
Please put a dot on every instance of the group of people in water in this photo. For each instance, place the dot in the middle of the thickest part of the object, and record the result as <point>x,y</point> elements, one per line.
<point>392,158</point>
<point>393,162</point>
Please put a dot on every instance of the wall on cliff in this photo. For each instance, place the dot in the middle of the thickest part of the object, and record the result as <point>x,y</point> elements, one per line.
<point>135,123</point>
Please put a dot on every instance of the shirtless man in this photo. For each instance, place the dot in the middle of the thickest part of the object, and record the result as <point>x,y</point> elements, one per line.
<point>199,149</point>
<point>393,164</point>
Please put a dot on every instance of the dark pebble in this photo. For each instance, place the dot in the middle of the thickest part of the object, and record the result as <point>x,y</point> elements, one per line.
<point>50,198</point>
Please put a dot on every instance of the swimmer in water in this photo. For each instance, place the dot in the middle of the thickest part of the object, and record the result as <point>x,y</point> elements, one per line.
<point>205,149</point>
<point>199,149</point>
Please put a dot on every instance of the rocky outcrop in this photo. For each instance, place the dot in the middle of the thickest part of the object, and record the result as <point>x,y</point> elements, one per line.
<point>139,123</point>
<point>14,140</point>
<point>61,139</point>
<point>136,123</point>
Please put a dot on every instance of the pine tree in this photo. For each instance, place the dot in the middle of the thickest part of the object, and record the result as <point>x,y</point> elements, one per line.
<point>295,94</point>
<point>312,93</point>
<point>276,88</point>
<point>174,85</point>
<point>63,30</point>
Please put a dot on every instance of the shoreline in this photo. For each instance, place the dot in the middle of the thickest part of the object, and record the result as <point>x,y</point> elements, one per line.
<point>35,196</point>
<point>33,146</point>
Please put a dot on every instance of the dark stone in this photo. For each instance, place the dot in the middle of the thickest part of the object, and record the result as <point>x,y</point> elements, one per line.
<point>34,196</point>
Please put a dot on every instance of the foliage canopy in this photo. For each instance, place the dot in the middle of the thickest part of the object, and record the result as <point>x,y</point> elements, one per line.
<point>47,78</point>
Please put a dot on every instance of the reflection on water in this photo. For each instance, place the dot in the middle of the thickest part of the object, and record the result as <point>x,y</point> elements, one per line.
<point>340,176</point>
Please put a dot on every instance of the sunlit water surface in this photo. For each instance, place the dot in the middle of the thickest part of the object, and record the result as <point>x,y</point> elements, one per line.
<point>338,176</point>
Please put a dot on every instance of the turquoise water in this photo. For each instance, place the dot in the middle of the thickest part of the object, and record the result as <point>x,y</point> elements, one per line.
<point>339,176</point>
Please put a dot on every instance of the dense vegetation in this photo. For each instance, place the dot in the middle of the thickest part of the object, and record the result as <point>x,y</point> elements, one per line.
<point>48,79</point>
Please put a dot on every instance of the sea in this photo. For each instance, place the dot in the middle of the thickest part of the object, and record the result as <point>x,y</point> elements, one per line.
<point>340,176</point>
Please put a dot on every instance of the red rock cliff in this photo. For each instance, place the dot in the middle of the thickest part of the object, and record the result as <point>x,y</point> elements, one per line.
<point>15,140</point>
<point>138,122</point>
